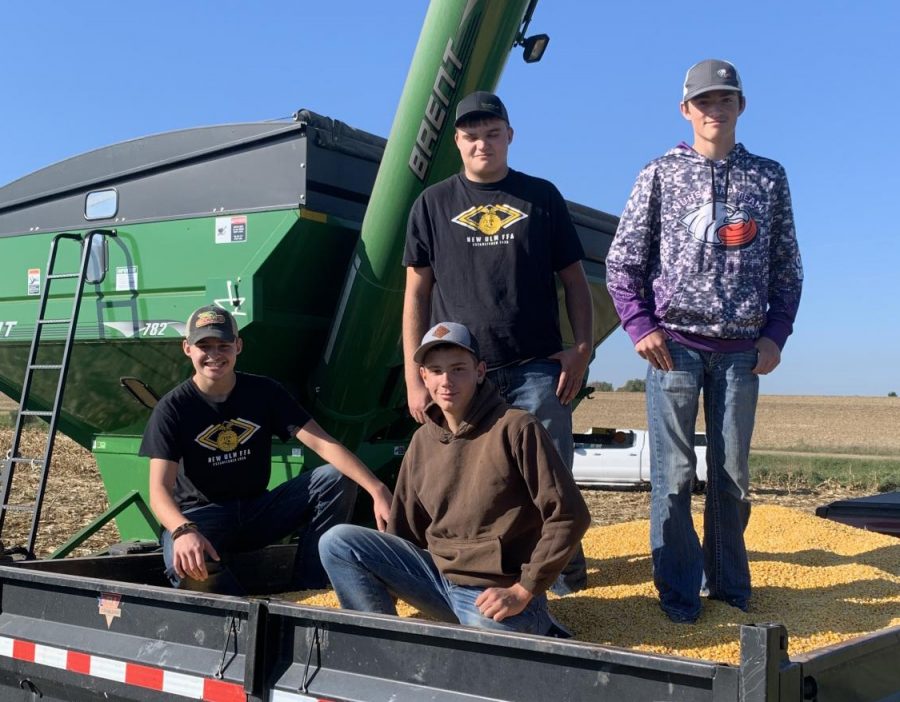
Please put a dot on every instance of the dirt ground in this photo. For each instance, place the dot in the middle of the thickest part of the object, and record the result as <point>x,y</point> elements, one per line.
<point>74,496</point>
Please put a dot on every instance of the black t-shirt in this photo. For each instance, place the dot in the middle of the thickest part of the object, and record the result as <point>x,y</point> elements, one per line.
<point>225,448</point>
<point>494,249</point>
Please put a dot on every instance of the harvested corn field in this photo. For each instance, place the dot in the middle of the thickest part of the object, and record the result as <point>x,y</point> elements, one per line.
<point>854,425</point>
<point>74,496</point>
<point>824,581</point>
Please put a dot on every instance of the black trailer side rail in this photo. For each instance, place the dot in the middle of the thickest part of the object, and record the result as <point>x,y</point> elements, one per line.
<point>866,668</point>
<point>68,637</point>
<point>347,656</point>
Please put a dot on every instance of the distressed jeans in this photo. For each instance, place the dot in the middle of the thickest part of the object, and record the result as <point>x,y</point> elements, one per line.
<point>308,504</point>
<point>368,569</point>
<point>730,391</point>
<point>532,387</point>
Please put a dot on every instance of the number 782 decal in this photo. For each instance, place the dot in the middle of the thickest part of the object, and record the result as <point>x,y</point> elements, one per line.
<point>147,328</point>
<point>154,328</point>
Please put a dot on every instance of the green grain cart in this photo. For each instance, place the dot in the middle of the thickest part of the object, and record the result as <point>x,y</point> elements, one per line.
<point>289,225</point>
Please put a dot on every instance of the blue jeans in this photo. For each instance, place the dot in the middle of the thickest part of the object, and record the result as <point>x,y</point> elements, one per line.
<point>368,569</point>
<point>309,504</point>
<point>532,387</point>
<point>730,391</point>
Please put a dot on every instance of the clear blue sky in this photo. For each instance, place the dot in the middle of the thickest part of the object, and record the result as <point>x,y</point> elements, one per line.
<point>820,78</point>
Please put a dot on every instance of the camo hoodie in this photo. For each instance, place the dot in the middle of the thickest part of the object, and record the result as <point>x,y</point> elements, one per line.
<point>736,275</point>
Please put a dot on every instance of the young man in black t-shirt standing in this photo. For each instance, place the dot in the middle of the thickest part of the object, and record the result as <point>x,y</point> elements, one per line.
<point>209,445</point>
<point>483,249</point>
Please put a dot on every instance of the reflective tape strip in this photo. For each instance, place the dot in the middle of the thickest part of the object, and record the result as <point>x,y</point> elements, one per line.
<point>108,669</point>
<point>218,691</point>
<point>184,685</point>
<point>144,676</point>
<point>148,677</point>
<point>23,650</point>
<point>50,655</point>
<point>79,663</point>
<point>282,696</point>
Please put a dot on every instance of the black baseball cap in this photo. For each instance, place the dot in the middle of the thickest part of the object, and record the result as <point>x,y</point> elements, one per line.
<point>211,322</point>
<point>709,75</point>
<point>480,103</point>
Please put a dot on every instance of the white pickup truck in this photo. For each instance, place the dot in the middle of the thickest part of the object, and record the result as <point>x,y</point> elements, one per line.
<point>621,458</point>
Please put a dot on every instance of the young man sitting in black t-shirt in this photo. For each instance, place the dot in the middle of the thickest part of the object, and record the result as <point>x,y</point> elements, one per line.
<point>209,445</point>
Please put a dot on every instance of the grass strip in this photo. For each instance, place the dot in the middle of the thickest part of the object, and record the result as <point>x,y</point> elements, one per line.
<point>855,450</point>
<point>876,475</point>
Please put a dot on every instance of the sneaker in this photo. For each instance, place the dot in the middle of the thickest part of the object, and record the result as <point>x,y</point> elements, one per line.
<point>557,630</point>
<point>561,588</point>
<point>569,583</point>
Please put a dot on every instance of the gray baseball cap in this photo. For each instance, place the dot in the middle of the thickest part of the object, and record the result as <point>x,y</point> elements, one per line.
<point>447,333</point>
<point>708,75</point>
<point>481,103</point>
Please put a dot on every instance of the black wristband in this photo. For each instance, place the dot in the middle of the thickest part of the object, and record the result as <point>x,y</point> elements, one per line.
<point>183,529</point>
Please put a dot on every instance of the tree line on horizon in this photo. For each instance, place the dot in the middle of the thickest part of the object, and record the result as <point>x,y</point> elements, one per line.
<point>633,385</point>
<point>639,385</point>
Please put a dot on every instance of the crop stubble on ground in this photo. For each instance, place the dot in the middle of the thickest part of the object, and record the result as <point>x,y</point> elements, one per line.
<point>783,422</point>
<point>75,494</point>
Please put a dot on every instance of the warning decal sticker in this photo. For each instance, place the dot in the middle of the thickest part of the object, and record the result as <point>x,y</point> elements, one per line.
<point>34,281</point>
<point>231,230</point>
<point>126,278</point>
<point>109,606</point>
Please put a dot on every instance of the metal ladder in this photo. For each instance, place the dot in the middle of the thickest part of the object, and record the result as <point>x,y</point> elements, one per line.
<point>51,416</point>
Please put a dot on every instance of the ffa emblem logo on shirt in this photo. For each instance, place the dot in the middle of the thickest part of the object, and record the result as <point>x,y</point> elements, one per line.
<point>489,219</point>
<point>227,440</point>
<point>226,436</point>
<point>731,227</point>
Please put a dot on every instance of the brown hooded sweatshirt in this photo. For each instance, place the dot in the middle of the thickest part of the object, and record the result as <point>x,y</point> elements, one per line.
<point>493,503</point>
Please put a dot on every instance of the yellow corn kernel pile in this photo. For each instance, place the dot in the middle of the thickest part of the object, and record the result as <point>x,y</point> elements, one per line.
<point>826,582</point>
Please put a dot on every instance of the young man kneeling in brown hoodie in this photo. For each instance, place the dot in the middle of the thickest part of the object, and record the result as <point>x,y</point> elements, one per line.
<point>484,517</point>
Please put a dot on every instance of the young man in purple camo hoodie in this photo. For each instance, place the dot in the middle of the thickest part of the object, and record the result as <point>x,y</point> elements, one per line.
<point>705,274</point>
